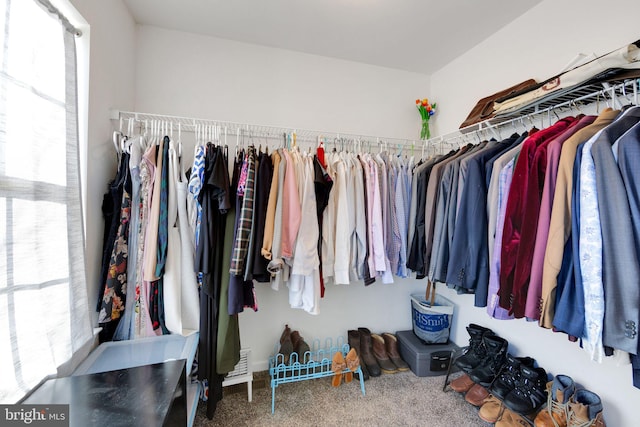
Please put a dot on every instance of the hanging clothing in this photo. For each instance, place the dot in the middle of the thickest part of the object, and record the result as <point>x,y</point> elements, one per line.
<point>513,297</point>
<point>125,329</point>
<point>263,186</point>
<point>142,319</point>
<point>468,265</point>
<point>267,239</point>
<point>621,268</point>
<point>111,211</point>
<point>190,305</point>
<point>114,296</point>
<point>505,175</point>
<point>304,283</point>
<point>532,310</point>
<point>276,266</point>
<point>172,259</point>
<point>215,201</point>
<point>560,223</point>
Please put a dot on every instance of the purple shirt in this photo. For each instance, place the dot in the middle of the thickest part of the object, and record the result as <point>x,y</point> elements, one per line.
<point>493,307</point>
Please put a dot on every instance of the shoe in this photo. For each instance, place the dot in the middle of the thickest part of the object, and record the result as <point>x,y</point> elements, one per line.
<point>300,347</point>
<point>511,419</point>
<point>490,366</point>
<point>353,363</point>
<point>475,352</point>
<point>509,374</point>
<point>462,384</point>
<point>391,344</point>
<point>585,410</point>
<point>491,410</point>
<point>338,364</point>
<point>530,391</point>
<point>380,353</point>
<point>286,345</point>
<point>353,337</point>
<point>476,395</point>
<point>366,353</point>
<point>560,391</point>
<point>285,334</point>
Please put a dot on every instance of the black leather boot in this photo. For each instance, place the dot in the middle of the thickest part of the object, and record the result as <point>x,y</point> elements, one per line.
<point>475,352</point>
<point>366,353</point>
<point>509,375</point>
<point>488,369</point>
<point>530,392</point>
<point>353,337</point>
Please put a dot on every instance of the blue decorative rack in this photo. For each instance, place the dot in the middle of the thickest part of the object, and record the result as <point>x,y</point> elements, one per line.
<point>316,364</point>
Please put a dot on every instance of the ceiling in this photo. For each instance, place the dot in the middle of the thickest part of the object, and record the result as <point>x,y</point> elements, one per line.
<point>413,35</point>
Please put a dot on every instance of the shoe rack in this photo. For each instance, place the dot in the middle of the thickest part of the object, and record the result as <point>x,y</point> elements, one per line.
<point>316,363</point>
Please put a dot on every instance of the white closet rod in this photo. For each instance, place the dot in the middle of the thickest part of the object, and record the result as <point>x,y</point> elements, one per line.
<point>261,131</point>
<point>608,93</point>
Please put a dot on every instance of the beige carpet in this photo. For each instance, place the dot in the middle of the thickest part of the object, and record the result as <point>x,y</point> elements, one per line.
<point>401,399</point>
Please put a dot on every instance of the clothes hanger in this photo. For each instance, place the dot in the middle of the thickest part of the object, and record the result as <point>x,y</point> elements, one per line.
<point>117,140</point>
<point>179,140</point>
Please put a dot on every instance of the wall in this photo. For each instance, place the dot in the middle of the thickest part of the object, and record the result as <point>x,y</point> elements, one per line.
<point>194,76</point>
<point>111,38</point>
<point>539,45</point>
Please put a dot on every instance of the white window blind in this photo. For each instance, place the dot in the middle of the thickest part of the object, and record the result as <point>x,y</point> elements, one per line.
<point>44,314</point>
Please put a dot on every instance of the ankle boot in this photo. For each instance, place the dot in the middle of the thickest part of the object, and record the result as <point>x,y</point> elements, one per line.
<point>286,346</point>
<point>489,367</point>
<point>509,374</point>
<point>353,337</point>
<point>300,347</point>
<point>530,392</point>
<point>475,351</point>
<point>380,353</point>
<point>391,344</point>
<point>462,384</point>
<point>512,419</point>
<point>491,410</point>
<point>555,414</point>
<point>366,352</point>
<point>476,395</point>
<point>585,410</point>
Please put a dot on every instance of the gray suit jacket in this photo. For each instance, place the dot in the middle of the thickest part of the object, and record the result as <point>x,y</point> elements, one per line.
<point>620,266</point>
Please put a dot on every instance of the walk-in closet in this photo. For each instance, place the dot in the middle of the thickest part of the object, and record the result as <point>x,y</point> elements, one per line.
<point>319,213</point>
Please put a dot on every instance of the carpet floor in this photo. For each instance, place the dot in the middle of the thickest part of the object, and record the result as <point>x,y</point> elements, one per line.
<point>401,399</point>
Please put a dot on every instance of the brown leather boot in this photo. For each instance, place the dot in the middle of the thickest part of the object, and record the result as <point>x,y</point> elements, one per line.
<point>462,384</point>
<point>560,390</point>
<point>476,395</point>
<point>391,344</point>
<point>511,419</point>
<point>354,342</point>
<point>380,353</point>
<point>585,410</point>
<point>286,346</point>
<point>491,410</point>
<point>366,352</point>
<point>300,347</point>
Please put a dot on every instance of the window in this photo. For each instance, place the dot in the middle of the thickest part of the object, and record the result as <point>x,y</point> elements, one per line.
<point>44,314</point>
